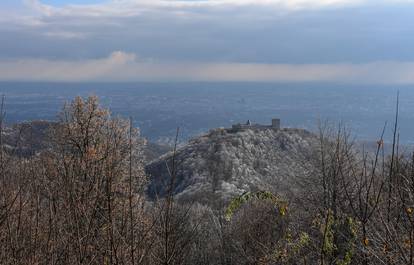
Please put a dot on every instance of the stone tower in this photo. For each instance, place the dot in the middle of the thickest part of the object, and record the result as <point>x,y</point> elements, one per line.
<point>276,123</point>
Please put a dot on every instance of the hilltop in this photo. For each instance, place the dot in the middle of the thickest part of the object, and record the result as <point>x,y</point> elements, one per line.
<point>217,166</point>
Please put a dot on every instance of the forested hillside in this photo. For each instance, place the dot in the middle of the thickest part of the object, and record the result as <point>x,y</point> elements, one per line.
<point>77,191</point>
<point>216,167</point>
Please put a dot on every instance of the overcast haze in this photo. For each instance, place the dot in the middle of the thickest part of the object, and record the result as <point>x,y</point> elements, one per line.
<point>352,41</point>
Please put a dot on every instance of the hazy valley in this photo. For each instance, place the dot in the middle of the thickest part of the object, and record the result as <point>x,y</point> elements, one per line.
<point>159,108</point>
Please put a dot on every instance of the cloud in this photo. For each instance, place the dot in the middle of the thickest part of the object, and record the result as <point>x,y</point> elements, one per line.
<point>47,70</point>
<point>208,31</point>
<point>66,35</point>
<point>40,7</point>
<point>136,7</point>
<point>121,66</point>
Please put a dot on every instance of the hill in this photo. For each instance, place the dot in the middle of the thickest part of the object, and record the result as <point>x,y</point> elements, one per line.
<point>217,166</point>
<point>27,138</point>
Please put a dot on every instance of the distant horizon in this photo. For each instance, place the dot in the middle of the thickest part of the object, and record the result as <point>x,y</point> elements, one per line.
<point>315,83</point>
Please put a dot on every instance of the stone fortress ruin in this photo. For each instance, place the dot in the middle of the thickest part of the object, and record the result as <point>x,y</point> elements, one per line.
<point>251,126</point>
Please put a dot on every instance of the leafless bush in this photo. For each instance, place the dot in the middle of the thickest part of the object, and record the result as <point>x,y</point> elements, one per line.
<point>82,200</point>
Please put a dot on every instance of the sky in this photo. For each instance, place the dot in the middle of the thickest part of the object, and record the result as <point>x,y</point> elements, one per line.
<point>342,41</point>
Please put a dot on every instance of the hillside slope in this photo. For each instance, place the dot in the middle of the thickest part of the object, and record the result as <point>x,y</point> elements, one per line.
<point>215,167</point>
<point>27,138</point>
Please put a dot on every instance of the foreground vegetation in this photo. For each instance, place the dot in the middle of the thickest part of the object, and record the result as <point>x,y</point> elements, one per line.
<point>82,201</point>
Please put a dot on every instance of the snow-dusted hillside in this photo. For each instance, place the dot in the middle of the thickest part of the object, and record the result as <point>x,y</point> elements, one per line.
<point>220,165</point>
